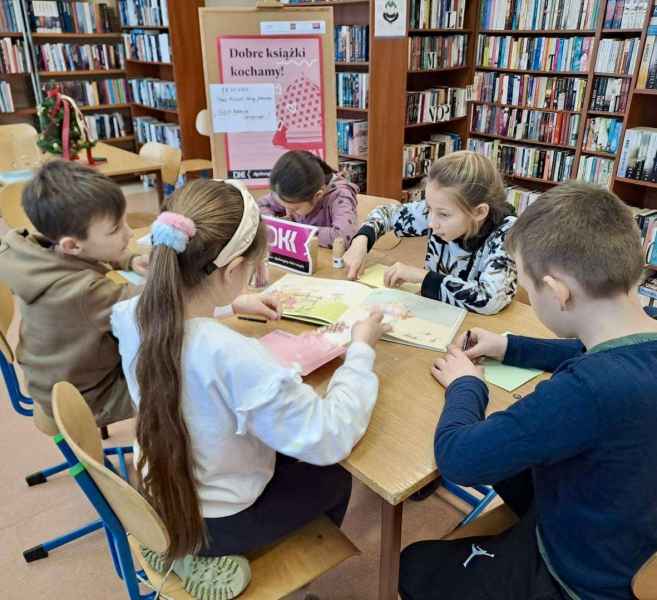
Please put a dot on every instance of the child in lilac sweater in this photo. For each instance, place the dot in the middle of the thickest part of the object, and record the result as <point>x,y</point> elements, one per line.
<point>307,190</point>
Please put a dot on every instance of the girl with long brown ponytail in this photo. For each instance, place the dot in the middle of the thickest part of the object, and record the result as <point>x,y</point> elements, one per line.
<point>228,441</point>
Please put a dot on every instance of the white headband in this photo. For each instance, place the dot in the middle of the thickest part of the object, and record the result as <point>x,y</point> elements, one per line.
<point>247,229</point>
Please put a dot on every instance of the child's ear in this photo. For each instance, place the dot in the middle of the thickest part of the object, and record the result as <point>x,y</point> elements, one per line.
<point>559,289</point>
<point>481,212</point>
<point>69,245</point>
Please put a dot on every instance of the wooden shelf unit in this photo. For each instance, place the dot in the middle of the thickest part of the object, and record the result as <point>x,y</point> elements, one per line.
<point>186,70</point>
<point>598,33</point>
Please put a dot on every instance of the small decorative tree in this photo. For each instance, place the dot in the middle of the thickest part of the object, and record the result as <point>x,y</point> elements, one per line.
<point>63,128</point>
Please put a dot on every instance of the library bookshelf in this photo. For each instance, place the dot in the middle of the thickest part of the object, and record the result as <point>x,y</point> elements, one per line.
<point>185,69</point>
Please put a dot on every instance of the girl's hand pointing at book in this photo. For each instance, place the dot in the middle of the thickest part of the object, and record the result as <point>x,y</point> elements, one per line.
<point>401,273</point>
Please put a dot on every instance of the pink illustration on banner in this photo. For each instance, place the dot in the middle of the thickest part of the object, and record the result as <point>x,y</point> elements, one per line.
<point>294,65</point>
<point>289,244</point>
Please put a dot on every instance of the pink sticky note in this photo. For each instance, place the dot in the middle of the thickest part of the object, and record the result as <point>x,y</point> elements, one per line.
<point>309,351</point>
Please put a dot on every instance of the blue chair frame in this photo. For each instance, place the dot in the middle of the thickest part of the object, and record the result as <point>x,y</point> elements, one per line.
<point>478,504</point>
<point>117,539</point>
<point>24,406</point>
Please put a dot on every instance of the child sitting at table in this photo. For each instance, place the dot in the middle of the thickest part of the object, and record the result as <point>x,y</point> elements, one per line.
<point>59,274</point>
<point>466,218</point>
<point>214,407</point>
<point>305,189</point>
<point>575,459</point>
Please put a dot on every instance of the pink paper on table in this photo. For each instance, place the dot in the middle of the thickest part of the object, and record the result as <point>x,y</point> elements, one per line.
<point>309,351</point>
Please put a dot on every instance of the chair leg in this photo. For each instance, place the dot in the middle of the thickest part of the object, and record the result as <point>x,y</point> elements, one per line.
<point>104,433</point>
<point>42,550</point>
<point>42,476</point>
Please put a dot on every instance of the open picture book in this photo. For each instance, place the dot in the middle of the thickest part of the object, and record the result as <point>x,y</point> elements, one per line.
<point>415,321</point>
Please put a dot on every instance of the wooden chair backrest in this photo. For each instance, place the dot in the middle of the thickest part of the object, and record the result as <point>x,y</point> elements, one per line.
<point>78,426</point>
<point>11,207</point>
<point>203,122</point>
<point>19,147</point>
<point>366,204</point>
<point>6,317</point>
<point>644,582</point>
<point>170,159</point>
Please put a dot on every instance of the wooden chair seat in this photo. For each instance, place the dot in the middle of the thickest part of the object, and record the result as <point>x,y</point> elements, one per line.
<point>282,569</point>
<point>194,165</point>
<point>139,220</point>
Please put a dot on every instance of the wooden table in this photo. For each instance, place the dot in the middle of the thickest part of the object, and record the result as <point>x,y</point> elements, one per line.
<point>121,163</point>
<point>395,457</point>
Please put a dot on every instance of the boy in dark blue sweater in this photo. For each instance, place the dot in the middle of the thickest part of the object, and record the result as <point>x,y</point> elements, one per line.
<point>576,458</point>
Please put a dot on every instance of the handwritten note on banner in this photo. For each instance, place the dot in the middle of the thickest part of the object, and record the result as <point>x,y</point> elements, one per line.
<point>240,108</point>
<point>290,244</point>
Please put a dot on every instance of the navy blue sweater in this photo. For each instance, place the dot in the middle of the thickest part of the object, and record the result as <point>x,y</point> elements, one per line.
<point>590,436</point>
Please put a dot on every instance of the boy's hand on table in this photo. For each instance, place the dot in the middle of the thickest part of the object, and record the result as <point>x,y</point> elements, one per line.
<point>401,273</point>
<point>139,264</point>
<point>453,365</point>
<point>483,343</point>
<point>261,305</point>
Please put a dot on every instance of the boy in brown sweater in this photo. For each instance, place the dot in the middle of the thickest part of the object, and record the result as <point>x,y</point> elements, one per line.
<point>65,298</point>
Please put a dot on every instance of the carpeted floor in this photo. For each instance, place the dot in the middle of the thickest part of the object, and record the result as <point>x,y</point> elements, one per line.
<point>83,570</point>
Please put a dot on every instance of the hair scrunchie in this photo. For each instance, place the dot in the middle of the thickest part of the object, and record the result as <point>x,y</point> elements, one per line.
<point>172,230</point>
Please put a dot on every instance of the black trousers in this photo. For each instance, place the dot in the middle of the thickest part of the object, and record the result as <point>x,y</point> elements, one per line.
<point>440,569</point>
<point>297,494</point>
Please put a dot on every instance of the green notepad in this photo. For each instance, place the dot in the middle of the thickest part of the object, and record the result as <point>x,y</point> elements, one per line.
<point>506,377</point>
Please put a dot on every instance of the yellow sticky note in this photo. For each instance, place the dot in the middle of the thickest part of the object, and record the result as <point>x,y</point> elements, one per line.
<point>374,277</point>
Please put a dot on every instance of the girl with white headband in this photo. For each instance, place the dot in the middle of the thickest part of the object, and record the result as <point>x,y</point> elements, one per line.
<point>229,443</point>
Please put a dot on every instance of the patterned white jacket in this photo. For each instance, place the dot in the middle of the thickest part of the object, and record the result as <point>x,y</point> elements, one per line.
<point>476,274</point>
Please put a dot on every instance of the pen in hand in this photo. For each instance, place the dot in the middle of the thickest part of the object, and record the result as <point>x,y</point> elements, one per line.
<point>466,342</point>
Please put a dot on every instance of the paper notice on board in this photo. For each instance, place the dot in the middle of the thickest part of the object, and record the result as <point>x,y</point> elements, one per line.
<point>242,108</point>
<point>390,18</point>
<point>292,27</point>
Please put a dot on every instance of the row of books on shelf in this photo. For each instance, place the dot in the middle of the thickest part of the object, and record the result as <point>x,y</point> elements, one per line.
<point>520,198</point>
<point>11,17</point>
<point>648,69</point>
<point>12,56</point>
<point>638,159</point>
<point>646,220</point>
<point>535,91</point>
<point>67,16</point>
<point>144,13</point>
<point>153,92</point>
<point>147,46</point>
<point>426,53</point>
<point>610,94</point>
<point>6,99</point>
<point>92,93</point>
<point>556,54</point>
<point>539,14</point>
<point>595,169</point>
<point>602,134</point>
<point>418,158</point>
<point>617,56</point>
<point>352,43</point>
<point>354,171</point>
<point>435,105</point>
<point>352,137</point>
<point>526,124</point>
<point>526,161</point>
<point>352,89</point>
<point>80,57</point>
<point>625,14</point>
<point>104,126</point>
<point>436,14</point>
<point>148,129</point>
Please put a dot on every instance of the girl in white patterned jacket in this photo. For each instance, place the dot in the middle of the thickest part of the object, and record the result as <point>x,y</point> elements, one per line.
<point>466,217</point>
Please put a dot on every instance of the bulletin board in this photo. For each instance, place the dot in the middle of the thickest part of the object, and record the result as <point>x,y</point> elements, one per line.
<point>270,87</point>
